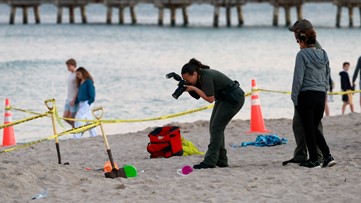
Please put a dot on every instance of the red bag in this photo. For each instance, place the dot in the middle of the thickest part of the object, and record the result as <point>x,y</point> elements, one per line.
<point>165,142</point>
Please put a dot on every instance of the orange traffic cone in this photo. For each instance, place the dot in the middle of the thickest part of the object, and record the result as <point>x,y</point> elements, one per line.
<point>257,122</point>
<point>8,136</point>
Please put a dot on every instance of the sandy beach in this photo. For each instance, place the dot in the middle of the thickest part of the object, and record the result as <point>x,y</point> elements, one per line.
<point>255,174</point>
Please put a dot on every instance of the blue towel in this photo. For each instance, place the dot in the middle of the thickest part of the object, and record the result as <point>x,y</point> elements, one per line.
<point>264,141</point>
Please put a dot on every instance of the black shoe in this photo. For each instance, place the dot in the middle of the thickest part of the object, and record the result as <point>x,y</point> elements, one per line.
<point>222,165</point>
<point>311,164</point>
<point>292,161</point>
<point>202,165</point>
<point>329,162</point>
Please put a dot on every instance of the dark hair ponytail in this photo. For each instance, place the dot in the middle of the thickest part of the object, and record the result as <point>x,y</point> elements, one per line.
<point>193,66</point>
<point>307,35</point>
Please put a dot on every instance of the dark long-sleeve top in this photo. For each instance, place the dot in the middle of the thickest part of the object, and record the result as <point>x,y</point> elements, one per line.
<point>86,92</point>
<point>345,81</point>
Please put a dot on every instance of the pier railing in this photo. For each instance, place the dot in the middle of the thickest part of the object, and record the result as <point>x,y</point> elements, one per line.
<point>172,5</point>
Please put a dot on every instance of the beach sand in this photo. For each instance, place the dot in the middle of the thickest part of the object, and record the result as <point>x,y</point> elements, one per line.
<point>255,174</point>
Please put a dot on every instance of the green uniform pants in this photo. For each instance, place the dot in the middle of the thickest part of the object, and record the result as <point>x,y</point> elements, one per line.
<point>300,153</point>
<point>222,114</point>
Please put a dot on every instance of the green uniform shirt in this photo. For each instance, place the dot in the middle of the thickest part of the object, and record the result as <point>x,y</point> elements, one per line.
<point>213,81</point>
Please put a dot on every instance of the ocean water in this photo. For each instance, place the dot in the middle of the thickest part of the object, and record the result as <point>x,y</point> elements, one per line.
<point>129,62</point>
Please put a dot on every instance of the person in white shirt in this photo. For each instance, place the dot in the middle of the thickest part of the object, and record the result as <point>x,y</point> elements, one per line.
<point>70,107</point>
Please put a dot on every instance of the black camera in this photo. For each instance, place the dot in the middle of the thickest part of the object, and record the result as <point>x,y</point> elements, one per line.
<point>180,89</point>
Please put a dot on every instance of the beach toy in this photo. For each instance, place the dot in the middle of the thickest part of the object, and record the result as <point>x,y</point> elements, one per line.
<point>130,171</point>
<point>108,166</point>
<point>114,172</point>
<point>185,170</point>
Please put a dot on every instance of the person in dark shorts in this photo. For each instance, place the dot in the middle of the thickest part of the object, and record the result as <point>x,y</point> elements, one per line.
<point>346,86</point>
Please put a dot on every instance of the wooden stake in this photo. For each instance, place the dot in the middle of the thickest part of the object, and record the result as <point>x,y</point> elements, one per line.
<point>132,14</point>
<point>121,15</point>
<point>338,16</point>
<point>299,11</point>
<point>288,15</point>
<point>83,14</point>
<point>59,15</point>
<point>71,14</point>
<point>228,15</point>
<point>216,16</point>
<point>12,15</point>
<point>109,14</point>
<point>160,16</point>
<point>185,16</point>
<point>275,15</point>
<point>25,14</point>
<point>172,15</point>
<point>240,15</point>
<point>37,14</point>
<point>350,15</point>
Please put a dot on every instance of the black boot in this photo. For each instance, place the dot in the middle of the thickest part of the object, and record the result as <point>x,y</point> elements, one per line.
<point>311,164</point>
<point>328,162</point>
<point>222,165</point>
<point>202,165</point>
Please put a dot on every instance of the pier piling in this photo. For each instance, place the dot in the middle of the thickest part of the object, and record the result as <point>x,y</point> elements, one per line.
<point>228,5</point>
<point>71,5</point>
<point>350,5</point>
<point>173,5</point>
<point>121,5</point>
<point>287,5</point>
<point>24,4</point>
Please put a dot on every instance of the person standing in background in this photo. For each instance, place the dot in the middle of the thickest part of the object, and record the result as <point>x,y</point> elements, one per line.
<point>86,97</point>
<point>300,152</point>
<point>309,87</point>
<point>70,106</point>
<point>346,86</point>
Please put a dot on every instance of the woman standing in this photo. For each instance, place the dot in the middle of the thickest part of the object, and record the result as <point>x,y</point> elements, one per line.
<point>86,96</point>
<point>310,84</point>
<point>213,85</point>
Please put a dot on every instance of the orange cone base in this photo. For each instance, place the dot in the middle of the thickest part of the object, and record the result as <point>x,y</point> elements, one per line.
<point>257,122</point>
<point>8,137</point>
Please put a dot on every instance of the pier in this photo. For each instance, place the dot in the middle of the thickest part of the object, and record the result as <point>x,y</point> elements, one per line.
<point>173,5</point>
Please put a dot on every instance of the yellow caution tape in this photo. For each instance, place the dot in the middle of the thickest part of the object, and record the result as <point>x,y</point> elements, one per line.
<point>273,91</point>
<point>74,130</point>
<point>23,120</point>
<point>146,119</point>
<point>58,118</point>
<point>25,111</point>
<point>150,119</point>
<point>347,92</point>
<point>289,92</point>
